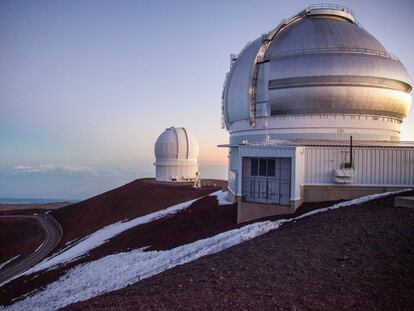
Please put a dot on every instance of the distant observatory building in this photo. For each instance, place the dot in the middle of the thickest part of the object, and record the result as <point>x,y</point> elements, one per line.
<point>314,109</point>
<point>176,153</point>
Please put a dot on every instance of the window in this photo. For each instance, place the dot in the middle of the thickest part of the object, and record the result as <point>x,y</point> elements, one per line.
<point>271,167</point>
<point>262,167</point>
<point>254,169</point>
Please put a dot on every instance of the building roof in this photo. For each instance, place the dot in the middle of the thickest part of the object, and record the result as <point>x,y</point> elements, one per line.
<point>176,143</point>
<point>324,143</point>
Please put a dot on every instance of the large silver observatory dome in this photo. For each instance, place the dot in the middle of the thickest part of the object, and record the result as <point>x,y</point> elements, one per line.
<point>318,62</point>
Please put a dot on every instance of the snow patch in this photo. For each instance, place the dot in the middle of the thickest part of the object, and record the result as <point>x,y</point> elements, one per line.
<point>102,236</point>
<point>120,270</point>
<point>8,261</point>
<point>222,197</point>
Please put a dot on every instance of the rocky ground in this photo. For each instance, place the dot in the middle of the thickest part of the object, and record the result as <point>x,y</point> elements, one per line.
<point>355,258</point>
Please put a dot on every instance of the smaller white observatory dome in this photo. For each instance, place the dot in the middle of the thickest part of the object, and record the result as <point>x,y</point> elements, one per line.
<point>176,155</point>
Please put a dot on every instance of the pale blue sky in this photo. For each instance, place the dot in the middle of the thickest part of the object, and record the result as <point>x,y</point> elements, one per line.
<point>91,84</point>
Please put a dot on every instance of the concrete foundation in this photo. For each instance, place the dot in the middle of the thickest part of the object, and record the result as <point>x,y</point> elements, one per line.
<point>247,211</point>
<point>343,192</point>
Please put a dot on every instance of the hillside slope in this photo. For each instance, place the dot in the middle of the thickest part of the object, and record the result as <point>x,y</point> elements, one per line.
<point>137,198</point>
<point>356,258</point>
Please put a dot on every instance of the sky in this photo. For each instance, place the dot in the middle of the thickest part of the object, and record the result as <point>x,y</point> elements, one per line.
<point>87,86</point>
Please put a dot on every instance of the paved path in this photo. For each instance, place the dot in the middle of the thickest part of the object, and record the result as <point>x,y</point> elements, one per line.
<point>53,232</point>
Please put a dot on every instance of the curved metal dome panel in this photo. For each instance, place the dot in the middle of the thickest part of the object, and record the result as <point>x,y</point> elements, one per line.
<point>337,64</point>
<point>340,100</point>
<point>166,145</point>
<point>322,33</point>
<point>176,143</point>
<point>236,92</point>
<point>193,147</point>
<point>341,83</point>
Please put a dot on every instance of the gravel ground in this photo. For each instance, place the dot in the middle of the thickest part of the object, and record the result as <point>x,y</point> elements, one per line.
<point>356,258</point>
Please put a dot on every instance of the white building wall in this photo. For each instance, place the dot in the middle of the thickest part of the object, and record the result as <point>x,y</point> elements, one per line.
<point>176,170</point>
<point>372,165</point>
<point>298,173</point>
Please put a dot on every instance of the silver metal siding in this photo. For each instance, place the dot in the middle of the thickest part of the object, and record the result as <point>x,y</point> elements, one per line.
<point>372,166</point>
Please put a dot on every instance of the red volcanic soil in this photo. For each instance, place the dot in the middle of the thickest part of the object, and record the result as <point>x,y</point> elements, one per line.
<point>355,258</point>
<point>19,236</point>
<point>204,218</point>
<point>137,198</point>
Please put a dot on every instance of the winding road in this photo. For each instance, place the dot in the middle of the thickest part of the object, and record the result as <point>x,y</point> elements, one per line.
<point>53,232</point>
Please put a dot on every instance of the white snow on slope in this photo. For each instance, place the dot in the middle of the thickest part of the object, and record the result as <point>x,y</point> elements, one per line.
<point>120,270</point>
<point>222,197</point>
<point>351,202</point>
<point>8,261</point>
<point>103,235</point>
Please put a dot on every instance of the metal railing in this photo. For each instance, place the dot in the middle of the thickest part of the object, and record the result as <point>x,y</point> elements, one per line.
<point>260,190</point>
<point>335,50</point>
<point>331,6</point>
<point>265,189</point>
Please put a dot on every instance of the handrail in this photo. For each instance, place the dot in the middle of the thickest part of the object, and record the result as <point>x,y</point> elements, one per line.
<point>335,50</point>
<point>331,6</point>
